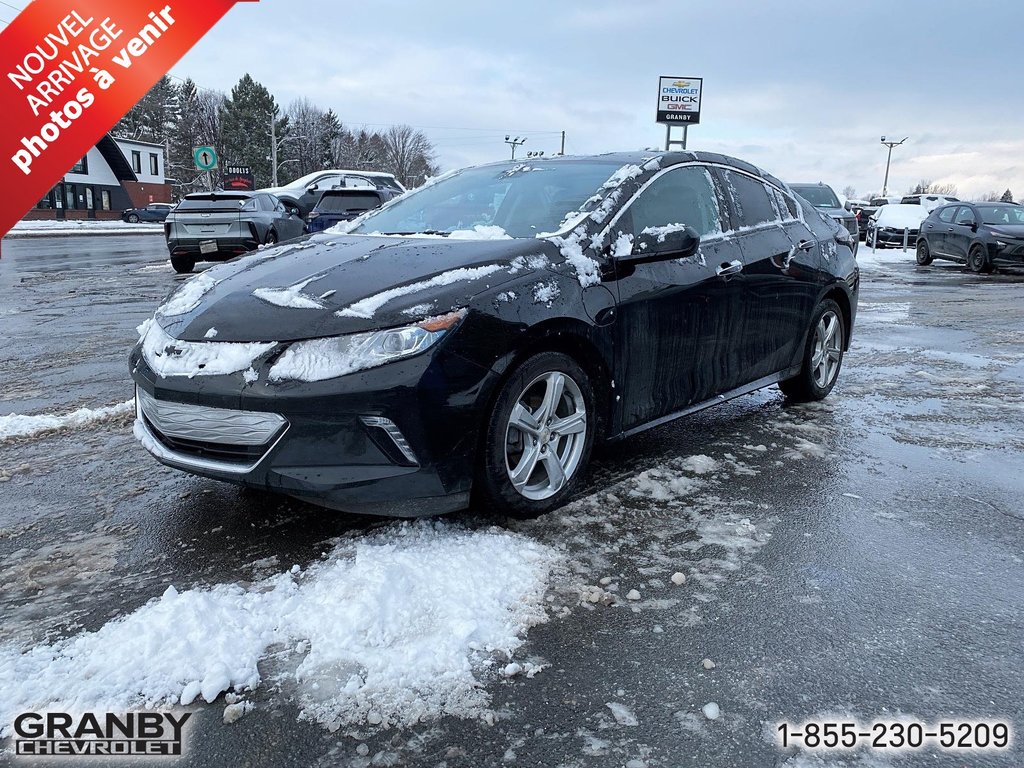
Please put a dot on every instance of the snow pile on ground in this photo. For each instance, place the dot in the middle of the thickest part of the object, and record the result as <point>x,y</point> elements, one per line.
<point>16,425</point>
<point>190,358</point>
<point>87,227</point>
<point>368,306</point>
<point>392,627</point>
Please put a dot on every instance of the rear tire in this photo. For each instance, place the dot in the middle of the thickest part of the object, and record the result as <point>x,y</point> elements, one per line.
<point>977,260</point>
<point>538,437</point>
<point>823,356</point>
<point>183,264</point>
<point>924,255</point>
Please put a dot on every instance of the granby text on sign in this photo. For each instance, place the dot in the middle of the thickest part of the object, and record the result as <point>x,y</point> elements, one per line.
<point>679,100</point>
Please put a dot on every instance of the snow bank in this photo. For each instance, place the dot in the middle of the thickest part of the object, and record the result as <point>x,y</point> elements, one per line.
<point>368,306</point>
<point>207,358</point>
<point>391,627</point>
<point>15,425</point>
<point>95,227</point>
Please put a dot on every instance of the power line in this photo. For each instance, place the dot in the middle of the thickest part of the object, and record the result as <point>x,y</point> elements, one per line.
<point>12,7</point>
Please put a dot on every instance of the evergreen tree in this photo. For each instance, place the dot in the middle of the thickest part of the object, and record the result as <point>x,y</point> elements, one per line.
<point>155,117</point>
<point>1007,197</point>
<point>199,126</point>
<point>245,121</point>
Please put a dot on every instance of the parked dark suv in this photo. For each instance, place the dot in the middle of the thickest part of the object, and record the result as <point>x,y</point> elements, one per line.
<point>344,205</point>
<point>822,197</point>
<point>980,235</point>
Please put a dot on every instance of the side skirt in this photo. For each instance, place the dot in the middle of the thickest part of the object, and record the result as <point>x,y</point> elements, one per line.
<point>746,389</point>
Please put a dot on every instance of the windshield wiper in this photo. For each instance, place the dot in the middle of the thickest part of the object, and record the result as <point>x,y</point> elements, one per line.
<point>419,232</point>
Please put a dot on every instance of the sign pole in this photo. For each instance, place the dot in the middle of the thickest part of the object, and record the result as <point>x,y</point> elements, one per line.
<point>685,127</point>
<point>668,137</point>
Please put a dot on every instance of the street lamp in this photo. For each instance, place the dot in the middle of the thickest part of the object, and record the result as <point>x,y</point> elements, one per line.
<point>517,141</point>
<point>890,145</point>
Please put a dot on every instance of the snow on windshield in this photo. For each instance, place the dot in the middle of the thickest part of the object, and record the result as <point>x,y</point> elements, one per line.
<point>394,627</point>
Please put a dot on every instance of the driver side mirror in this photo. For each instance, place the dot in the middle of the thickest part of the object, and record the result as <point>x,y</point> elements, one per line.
<point>664,244</point>
<point>312,188</point>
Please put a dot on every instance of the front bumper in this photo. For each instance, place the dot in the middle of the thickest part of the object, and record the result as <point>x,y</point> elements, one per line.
<point>895,237</point>
<point>399,440</point>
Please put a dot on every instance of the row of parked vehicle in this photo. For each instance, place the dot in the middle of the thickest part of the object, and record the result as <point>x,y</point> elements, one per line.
<point>216,226</point>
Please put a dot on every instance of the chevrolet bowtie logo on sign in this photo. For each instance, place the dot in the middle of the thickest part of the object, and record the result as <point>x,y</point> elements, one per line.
<point>679,100</point>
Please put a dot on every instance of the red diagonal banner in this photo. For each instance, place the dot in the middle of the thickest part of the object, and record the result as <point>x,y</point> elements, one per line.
<point>70,69</point>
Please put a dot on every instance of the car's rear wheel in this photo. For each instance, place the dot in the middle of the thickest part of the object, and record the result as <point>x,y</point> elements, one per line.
<point>539,436</point>
<point>133,218</point>
<point>183,264</point>
<point>924,255</point>
<point>823,356</point>
<point>977,260</point>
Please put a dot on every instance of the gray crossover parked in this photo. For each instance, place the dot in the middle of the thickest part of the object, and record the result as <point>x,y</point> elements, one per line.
<point>825,200</point>
<point>215,226</point>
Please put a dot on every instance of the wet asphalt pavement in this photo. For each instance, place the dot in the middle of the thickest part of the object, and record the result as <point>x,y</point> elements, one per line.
<point>858,559</point>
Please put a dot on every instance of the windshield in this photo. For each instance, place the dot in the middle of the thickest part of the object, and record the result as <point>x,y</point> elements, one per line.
<point>358,201</point>
<point>1001,214</point>
<point>522,199</point>
<point>212,203</point>
<point>817,195</point>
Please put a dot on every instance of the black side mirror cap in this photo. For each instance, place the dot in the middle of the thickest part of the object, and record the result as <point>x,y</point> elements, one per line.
<point>663,244</point>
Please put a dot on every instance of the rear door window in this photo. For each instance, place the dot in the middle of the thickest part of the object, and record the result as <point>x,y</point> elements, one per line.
<point>946,214</point>
<point>750,200</point>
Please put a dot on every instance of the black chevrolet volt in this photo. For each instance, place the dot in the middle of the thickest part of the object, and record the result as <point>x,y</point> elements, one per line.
<point>474,338</point>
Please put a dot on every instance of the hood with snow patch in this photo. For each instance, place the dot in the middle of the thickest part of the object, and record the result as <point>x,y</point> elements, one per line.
<point>329,285</point>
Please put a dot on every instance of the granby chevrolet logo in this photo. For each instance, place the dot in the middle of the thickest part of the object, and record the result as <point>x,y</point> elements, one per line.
<point>131,733</point>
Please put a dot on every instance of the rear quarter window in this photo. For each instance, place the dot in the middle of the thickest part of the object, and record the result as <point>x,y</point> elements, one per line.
<point>750,200</point>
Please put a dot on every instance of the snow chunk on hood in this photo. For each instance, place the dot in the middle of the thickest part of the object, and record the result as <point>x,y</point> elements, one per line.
<point>168,356</point>
<point>480,232</point>
<point>291,297</point>
<point>188,296</point>
<point>365,308</point>
<point>901,216</point>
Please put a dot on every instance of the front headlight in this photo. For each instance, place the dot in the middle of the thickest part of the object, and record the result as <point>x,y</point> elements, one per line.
<point>329,358</point>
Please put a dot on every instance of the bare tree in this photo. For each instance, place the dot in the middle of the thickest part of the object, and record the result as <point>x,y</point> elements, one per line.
<point>928,187</point>
<point>991,197</point>
<point>409,155</point>
<point>850,192</point>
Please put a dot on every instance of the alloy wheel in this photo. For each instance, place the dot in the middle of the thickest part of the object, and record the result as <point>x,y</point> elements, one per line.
<point>828,351</point>
<point>545,436</point>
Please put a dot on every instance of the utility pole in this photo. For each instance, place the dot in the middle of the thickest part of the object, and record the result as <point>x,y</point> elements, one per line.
<point>562,151</point>
<point>273,152</point>
<point>888,160</point>
<point>515,143</point>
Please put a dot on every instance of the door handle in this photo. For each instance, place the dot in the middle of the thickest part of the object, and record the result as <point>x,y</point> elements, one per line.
<point>805,245</point>
<point>727,268</point>
<point>949,229</point>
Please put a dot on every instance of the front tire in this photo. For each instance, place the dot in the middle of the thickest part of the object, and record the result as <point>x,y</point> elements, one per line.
<point>538,438</point>
<point>924,255</point>
<point>133,218</point>
<point>823,356</point>
<point>977,260</point>
<point>183,264</point>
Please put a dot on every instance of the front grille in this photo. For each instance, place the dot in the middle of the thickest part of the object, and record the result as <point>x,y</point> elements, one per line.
<point>196,433</point>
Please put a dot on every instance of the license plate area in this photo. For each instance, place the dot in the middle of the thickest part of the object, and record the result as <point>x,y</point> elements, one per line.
<point>207,246</point>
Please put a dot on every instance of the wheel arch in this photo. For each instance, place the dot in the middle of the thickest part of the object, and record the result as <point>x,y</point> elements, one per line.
<point>841,297</point>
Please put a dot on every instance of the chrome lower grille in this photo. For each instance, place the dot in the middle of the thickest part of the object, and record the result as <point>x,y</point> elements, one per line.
<point>200,437</point>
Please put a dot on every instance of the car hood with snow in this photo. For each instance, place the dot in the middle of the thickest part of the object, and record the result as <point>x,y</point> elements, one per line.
<point>901,216</point>
<point>329,285</point>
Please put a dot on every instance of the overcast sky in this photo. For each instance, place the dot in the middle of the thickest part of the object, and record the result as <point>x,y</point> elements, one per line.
<point>802,88</point>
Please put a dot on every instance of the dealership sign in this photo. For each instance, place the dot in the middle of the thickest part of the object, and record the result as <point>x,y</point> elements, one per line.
<point>679,100</point>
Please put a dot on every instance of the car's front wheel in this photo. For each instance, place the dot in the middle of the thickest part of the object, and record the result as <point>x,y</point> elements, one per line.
<point>183,264</point>
<point>539,436</point>
<point>924,255</point>
<point>978,261</point>
<point>133,218</point>
<point>823,356</point>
